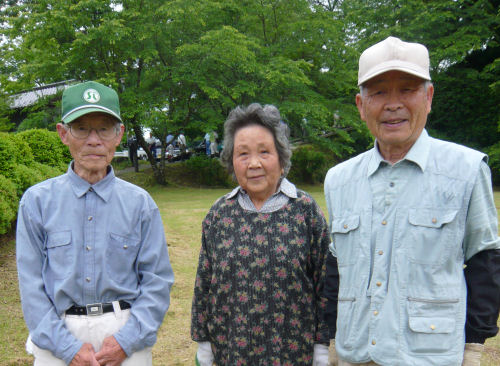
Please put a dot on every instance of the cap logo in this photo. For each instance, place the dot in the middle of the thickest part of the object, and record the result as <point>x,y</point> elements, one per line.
<point>91,95</point>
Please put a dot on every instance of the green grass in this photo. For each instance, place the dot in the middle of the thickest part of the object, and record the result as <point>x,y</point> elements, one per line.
<point>182,210</point>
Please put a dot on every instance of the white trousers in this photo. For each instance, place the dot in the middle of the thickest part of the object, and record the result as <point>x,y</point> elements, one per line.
<point>92,329</point>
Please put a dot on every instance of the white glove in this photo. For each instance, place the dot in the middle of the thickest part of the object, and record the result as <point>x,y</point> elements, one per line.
<point>204,355</point>
<point>320,356</point>
<point>472,354</point>
<point>332,354</point>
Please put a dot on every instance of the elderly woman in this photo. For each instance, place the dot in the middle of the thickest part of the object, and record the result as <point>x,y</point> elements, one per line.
<point>257,297</point>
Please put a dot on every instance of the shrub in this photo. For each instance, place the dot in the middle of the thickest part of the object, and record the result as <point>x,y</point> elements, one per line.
<point>47,147</point>
<point>47,171</point>
<point>309,165</point>
<point>9,154</point>
<point>24,177</point>
<point>8,204</point>
<point>494,163</point>
<point>205,171</point>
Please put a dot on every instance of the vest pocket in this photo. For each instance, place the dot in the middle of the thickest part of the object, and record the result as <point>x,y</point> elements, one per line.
<point>346,327</point>
<point>346,237</point>
<point>430,235</point>
<point>431,325</point>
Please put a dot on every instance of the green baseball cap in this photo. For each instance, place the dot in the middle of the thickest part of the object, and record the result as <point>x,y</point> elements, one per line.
<point>88,97</point>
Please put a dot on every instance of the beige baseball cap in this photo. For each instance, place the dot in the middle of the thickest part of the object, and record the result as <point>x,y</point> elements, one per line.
<point>394,54</point>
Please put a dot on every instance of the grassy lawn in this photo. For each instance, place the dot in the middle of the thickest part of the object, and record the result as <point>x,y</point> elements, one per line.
<point>182,210</point>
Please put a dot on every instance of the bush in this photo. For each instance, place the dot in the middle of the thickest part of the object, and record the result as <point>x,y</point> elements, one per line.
<point>8,204</point>
<point>494,163</point>
<point>47,147</point>
<point>205,171</point>
<point>47,171</point>
<point>24,177</point>
<point>9,154</point>
<point>309,165</point>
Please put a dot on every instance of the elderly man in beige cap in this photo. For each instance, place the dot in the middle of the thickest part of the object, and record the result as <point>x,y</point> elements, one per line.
<point>406,218</point>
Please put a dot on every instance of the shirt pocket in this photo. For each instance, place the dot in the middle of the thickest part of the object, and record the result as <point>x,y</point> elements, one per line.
<point>431,325</point>
<point>121,255</point>
<point>346,318</point>
<point>431,233</point>
<point>60,254</point>
<point>346,237</point>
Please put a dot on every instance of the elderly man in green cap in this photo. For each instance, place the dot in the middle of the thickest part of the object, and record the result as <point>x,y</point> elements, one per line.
<point>94,270</point>
<point>406,217</point>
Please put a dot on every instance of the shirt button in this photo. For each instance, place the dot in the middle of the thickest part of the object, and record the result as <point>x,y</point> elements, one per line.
<point>374,342</point>
<point>434,220</point>
<point>375,313</point>
<point>87,279</point>
<point>345,226</point>
<point>88,247</point>
<point>125,246</point>
<point>90,218</point>
<point>391,184</point>
<point>379,283</point>
<point>384,222</point>
<point>380,252</point>
<point>433,326</point>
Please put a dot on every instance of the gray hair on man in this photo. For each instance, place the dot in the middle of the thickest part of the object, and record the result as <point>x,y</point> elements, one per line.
<point>267,117</point>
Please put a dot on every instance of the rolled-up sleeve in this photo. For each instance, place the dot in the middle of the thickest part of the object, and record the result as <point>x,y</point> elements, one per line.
<point>46,328</point>
<point>155,280</point>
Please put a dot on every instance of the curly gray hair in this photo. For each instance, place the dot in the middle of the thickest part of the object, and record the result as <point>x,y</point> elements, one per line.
<point>267,117</point>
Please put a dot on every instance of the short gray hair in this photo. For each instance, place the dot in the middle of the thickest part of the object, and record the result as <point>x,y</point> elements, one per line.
<point>267,117</point>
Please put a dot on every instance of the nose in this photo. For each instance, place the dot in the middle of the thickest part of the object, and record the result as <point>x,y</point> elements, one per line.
<point>254,163</point>
<point>93,137</point>
<point>394,101</point>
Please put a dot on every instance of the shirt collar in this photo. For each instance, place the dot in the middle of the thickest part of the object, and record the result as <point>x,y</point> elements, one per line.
<point>286,187</point>
<point>103,188</point>
<point>418,154</point>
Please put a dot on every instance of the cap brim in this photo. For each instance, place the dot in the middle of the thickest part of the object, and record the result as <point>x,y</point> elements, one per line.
<point>70,117</point>
<point>385,67</point>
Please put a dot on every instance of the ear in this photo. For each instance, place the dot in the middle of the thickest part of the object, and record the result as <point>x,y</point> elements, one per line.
<point>359,104</point>
<point>429,95</point>
<point>63,133</point>
<point>120,135</point>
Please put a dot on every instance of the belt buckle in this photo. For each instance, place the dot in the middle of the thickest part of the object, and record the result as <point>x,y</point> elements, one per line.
<point>94,309</point>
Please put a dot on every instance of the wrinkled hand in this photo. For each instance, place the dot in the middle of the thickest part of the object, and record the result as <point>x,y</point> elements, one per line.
<point>85,356</point>
<point>111,353</point>
<point>472,354</point>
<point>332,354</point>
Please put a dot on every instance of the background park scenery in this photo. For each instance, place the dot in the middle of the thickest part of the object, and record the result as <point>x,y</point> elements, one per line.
<point>180,67</point>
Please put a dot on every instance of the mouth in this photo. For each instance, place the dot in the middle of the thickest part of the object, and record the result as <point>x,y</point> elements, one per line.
<point>394,122</point>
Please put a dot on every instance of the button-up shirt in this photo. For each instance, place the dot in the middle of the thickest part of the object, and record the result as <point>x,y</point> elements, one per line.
<point>274,203</point>
<point>80,244</point>
<point>401,234</point>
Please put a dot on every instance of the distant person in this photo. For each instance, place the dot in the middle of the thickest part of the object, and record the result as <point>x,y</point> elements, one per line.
<point>132,148</point>
<point>406,218</point>
<point>169,139</point>
<point>213,143</point>
<point>94,271</point>
<point>181,141</point>
<point>257,297</point>
<point>207,143</point>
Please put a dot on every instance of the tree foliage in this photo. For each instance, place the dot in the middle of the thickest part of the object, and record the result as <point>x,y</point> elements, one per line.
<point>183,65</point>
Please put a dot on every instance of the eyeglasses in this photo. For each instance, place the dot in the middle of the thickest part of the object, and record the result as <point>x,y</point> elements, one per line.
<point>104,132</point>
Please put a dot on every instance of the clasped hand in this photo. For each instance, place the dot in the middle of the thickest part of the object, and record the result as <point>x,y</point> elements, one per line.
<point>111,354</point>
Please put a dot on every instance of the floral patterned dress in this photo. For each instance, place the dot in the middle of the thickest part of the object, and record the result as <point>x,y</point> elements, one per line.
<point>257,297</point>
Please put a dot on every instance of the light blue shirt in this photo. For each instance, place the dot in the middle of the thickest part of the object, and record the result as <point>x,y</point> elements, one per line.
<point>401,234</point>
<point>79,244</point>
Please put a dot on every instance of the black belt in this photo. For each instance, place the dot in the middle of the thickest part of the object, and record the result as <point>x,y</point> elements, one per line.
<point>96,309</point>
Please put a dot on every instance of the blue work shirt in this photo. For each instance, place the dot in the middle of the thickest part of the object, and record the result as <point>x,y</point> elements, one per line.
<point>79,244</point>
<point>401,234</point>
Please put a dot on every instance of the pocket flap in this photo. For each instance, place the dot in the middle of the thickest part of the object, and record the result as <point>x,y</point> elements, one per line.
<point>344,224</point>
<point>58,239</point>
<point>130,241</point>
<point>432,324</point>
<point>434,218</point>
